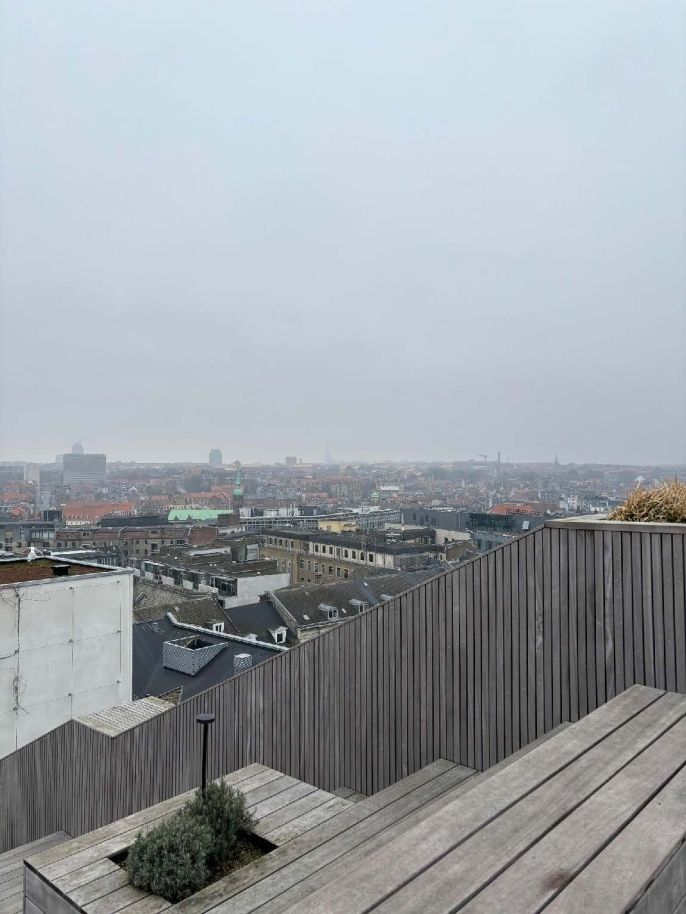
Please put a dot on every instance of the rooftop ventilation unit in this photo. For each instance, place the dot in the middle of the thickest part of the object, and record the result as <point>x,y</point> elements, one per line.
<point>242,662</point>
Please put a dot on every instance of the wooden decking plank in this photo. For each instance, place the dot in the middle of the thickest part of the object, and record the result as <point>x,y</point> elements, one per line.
<point>260,780</point>
<point>280,800</point>
<point>153,904</point>
<point>354,846</point>
<point>13,904</point>
<point>291,811</point>
<point>17,855</point>
<point>313,800</point>
<point>479,857</point>
<point>308,820</point>
<point>615,880</point>
<point>207,899</point>
<point>417,850</point>
<point>104,885</point>
<point>84,875</point>
<point>11,874</point>
<point>271,789</point>
<point>11,887</point>
<point>116,901</point>
<point>136,819</point>
<point>537,876</point>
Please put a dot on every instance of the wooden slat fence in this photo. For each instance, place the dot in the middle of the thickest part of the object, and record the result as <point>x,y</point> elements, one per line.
<point>469,666</point>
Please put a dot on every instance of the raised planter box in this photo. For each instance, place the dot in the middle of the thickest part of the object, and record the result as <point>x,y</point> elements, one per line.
<point>85,875</point>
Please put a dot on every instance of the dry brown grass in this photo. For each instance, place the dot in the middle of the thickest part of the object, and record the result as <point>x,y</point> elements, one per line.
<point>662,504</point>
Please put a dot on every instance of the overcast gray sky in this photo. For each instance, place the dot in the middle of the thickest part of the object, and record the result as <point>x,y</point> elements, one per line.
<point>396,229</point>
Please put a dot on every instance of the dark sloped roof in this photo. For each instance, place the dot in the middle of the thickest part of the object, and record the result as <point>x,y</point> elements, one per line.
<point>256,619</point>
<point>302,601</point>
<point>150,677</point>
<point>147,595</point>
<point>154,601</point>
<point>199,612</point>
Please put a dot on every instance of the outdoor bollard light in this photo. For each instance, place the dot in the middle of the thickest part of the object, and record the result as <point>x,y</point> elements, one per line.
<point>204,720</point>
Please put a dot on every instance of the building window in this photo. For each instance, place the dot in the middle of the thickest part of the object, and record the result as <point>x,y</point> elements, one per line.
<point>338,572</point>
<point>354,554</point>
<point>331,569</point>
<point>309,566</point>
<point>316,568</point>
<point>371,556</point>
<point>330,550</point>
<point>217,626</point>
<point>345,573</point>
<point>301,563</point>
<point>345,553</point>
<point>316,547</point>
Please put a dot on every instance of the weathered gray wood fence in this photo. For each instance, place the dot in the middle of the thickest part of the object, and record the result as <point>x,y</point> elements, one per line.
<point>468,666</point>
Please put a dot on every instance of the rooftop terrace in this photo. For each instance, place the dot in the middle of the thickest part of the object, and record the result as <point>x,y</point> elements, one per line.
<point>19,571</point>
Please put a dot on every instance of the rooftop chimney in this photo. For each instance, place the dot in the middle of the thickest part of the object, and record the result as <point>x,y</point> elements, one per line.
<point>242,662</point>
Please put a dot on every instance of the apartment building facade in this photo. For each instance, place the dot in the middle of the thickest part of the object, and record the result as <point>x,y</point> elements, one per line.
<point>128,543</point>
<point>326,557</point>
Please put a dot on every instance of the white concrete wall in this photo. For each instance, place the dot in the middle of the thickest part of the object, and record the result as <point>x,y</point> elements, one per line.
<point>261,583</point>
<point>443,536</point>
<point>65,650</point>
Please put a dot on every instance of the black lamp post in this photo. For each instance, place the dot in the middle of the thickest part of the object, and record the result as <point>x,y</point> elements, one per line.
<point>204,720</point>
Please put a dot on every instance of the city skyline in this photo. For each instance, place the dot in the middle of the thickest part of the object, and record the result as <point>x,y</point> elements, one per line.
<point>320,460</point>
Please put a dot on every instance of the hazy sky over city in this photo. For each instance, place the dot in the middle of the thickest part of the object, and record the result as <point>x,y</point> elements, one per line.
<point>412,230</point>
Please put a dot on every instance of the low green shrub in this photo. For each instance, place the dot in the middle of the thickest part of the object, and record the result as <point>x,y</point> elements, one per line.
<point>171,859</point>
<point>223,809</point>
<point>182,855</point>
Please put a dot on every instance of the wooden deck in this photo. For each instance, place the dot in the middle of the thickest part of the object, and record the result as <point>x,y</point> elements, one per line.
<point>12,871</point>
<point>316,834</point>
<point>591,818</point>
<point>594,820</point>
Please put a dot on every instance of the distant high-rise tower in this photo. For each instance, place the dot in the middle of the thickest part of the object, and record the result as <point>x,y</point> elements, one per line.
<point>77,448</point>
<point>291,461</point>
<point>83,468</point>
<point>216,459</point>
<point>237,500</point>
